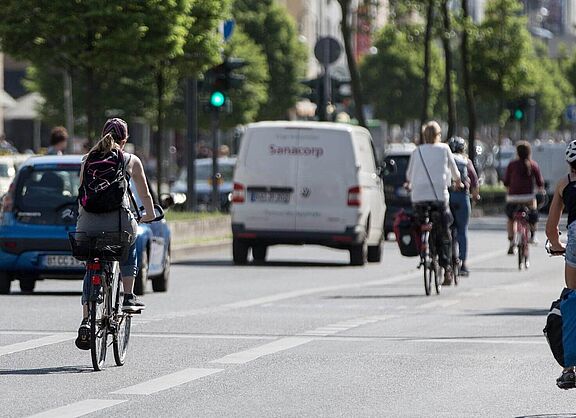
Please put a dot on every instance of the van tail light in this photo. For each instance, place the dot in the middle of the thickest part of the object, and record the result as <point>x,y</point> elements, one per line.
<point>8,200</point>
<point>354,196</point>
<point>239,194</point>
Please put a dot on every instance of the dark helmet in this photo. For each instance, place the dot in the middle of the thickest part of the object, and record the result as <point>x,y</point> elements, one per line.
<point>457,144</point>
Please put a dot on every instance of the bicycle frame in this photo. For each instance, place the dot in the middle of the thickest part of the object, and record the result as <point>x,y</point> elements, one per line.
<point>428,252</point>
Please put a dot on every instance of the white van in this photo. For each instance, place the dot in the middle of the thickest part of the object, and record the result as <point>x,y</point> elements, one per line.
<point>307,183</point>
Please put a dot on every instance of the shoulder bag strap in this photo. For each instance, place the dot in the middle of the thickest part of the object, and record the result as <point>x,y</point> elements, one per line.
<point>427,173</point>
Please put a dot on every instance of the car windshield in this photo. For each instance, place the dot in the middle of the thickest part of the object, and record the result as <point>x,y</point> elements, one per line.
<point>6,170</point>
<point>47,188</point>
<point>204,172</point>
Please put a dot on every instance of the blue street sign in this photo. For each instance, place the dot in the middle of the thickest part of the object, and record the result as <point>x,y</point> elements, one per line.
<point>228,28</point>
<point>570,113</point>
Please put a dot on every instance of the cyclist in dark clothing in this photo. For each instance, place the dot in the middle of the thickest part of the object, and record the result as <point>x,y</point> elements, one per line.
<point>565,197</point>
<point>520,177</point>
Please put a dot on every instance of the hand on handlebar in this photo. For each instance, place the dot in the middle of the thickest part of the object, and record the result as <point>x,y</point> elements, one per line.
<point>147,217</point>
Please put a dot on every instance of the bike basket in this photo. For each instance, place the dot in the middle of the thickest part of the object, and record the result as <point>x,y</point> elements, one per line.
<point>108,246</point>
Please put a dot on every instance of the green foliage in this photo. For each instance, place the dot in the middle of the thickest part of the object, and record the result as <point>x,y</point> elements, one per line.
<point>274,30</point>
<point>393,77</point>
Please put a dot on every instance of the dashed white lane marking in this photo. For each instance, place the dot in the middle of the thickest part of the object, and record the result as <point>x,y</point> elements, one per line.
<point>38,342</point>
<point>254,353</point>
<point>347,325</point>
<point>166,382</point>
<point>79,408</point>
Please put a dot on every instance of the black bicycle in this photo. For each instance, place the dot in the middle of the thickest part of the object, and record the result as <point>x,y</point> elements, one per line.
<point>429,259</point>
<point>102,252</point>
<point>456,262</point>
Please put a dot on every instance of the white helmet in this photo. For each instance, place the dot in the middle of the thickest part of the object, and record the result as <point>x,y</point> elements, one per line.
<point>571,152</point>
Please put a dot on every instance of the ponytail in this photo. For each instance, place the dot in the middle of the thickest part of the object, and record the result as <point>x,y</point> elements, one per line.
<point>104,145</point>
<point>524,151</point>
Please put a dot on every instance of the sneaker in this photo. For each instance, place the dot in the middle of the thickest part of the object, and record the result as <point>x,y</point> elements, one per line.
<point>464,272</point>
<point>83,339</point>
<point>567,379</point>
<point>447,278</point>
<point>132,304</point>
<point>511,249</point>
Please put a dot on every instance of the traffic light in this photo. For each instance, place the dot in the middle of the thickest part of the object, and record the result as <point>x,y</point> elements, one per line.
<point>518,109</point>
<point>315,90</point>
<point>518,113</point>
<point>222,78</point>
<point>341,90</point>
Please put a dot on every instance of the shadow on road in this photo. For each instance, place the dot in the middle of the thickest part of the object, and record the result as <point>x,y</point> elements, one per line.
<point>573,415</point>
<point>516,312</point>
<point>47,370</point>
<point>45,293</point>
<point>229,263</point>
<point>375,296</point>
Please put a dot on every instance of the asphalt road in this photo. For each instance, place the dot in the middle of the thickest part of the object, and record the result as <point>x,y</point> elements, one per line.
<point>304,335</point>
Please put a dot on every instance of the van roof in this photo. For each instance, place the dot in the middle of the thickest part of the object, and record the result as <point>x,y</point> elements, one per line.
<point>54,159</point>
<point>306,125</point>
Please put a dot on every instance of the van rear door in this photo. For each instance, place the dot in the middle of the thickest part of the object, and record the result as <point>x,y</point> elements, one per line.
<point>326,173</point>
<point>267,172</point>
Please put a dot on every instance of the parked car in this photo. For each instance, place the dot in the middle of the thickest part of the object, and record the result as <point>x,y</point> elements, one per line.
<point>204,183</point>
<point>40,210</point>
<point>7,172</point>
<point>394,166</point>
<point>307,183</point>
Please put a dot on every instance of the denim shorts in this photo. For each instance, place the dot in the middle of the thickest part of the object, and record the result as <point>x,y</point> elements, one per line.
<point>128,267</point>
<point>571,245</point>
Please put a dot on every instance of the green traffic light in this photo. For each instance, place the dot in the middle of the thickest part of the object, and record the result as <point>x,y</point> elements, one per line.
<point>518,114</point>
<point>217,99</point>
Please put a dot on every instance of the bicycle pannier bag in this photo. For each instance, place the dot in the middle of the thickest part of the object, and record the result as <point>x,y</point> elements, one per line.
<point>103,182</point>
<point>560,329</point>
<point>406,234</point>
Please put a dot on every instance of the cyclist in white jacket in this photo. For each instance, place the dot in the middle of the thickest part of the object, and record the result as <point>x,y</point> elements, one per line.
<point>430,172</point>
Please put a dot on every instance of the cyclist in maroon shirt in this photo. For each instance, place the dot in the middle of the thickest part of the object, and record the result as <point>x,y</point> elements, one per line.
<point>520,177</point>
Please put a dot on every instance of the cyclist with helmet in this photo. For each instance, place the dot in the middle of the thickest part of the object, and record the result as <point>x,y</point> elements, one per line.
<point>565,197</point>
<point>520,177</point>
<point>114,139</point>
<point>460,199</point>
<point>430,172</point>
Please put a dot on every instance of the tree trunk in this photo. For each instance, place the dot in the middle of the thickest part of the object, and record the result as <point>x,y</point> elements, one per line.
<point>352,66</point>
<point>427,56</point>
<point>448,57</point>
<point>159,130</point>
<point>90,106</point>
<point>466,70</point>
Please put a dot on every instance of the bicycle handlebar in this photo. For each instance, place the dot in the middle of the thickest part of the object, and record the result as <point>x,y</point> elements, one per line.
<point>157,209</point>
<point>552,253</point>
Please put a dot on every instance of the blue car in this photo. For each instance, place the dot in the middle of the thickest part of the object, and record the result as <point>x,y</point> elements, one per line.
<point>39,211</point>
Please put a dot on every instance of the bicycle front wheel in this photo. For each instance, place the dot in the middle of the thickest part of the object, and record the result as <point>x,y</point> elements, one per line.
<point>98,334</point>
<point>122,329</point>
<point>437,276</point>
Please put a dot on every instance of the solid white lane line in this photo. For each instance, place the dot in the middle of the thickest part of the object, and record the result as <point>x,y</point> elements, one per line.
<point>206,336</point>
<point>166,382</point>
<point>38,342</point>
<point>477,341</point>
<point>79,408</point>
<point>263,350</point>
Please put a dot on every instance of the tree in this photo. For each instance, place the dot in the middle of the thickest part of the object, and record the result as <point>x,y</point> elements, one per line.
<point>467,25</point>
<point>393,77</point>
<point>273,30</point>
<point>352,66</point>
<point>426,109</point>
<point>447,45</point>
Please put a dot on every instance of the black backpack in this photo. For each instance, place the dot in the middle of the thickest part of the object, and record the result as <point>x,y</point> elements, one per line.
<point>104,182</point>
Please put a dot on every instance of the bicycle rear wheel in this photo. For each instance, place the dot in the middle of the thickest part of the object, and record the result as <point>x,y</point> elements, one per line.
<point>122,329</point>
<point>436,270</point>
<point>98,333</point>
<point>427,269</point>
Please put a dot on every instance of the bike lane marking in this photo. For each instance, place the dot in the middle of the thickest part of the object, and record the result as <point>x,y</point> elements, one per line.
<point>35,343</point>
<point>166,382</point>
<point>78,409</point>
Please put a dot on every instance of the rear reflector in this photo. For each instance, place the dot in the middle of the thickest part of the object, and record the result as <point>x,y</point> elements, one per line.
<point>246,235</point>
<point>238,195</point>
<point>96,279</point>
<point>354,196</point>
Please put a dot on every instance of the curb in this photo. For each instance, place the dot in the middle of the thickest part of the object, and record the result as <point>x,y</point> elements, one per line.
<point>184,252</point>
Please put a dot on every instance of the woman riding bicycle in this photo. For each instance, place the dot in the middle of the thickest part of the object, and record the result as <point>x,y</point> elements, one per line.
<point>113,140</point>
<point>460,199</point>
<point>519,179</point>
<point>565,197</point>
<point>430,172</point>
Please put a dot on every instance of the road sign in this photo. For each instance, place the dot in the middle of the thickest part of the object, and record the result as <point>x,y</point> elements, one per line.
<point>570,113</point>
<point>327,50</point>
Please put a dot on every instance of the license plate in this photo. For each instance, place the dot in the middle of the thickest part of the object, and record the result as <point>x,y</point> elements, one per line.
<point>270,197</point>
<point>62,261</point>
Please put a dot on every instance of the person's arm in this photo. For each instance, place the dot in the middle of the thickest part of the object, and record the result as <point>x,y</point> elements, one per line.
<point>139,178</point>
<point>507,174</point>
<point>473,176</point>
<point>554,213</point>
<point>409,171</point>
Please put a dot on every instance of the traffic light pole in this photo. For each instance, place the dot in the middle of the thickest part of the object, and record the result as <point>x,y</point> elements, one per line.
<point>215,201</point>
<point>192,136</point>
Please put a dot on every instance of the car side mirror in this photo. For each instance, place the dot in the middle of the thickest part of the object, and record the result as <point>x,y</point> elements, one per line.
<point>166,200</point>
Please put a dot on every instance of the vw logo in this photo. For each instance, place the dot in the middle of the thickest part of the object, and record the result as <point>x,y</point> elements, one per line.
<point>306,192</point>
<point>68,214</point>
